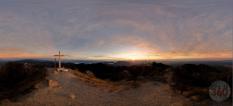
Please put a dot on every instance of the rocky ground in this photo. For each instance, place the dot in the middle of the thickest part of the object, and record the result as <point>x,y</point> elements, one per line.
<point>77,89</point>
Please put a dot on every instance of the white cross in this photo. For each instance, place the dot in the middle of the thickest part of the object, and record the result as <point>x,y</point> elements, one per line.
<point>59,55</point>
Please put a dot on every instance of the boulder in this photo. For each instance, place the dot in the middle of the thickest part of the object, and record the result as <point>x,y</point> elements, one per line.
<point>53,83</point>
<point>89,73</point>
<point>55,72</point>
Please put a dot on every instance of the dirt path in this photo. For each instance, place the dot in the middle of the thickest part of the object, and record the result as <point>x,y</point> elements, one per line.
<point>76,92</point>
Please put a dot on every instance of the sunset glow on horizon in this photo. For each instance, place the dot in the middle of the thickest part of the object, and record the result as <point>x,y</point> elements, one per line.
<point>116,29</point>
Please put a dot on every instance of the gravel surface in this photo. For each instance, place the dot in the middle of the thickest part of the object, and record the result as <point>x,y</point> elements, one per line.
<point>75,92</point>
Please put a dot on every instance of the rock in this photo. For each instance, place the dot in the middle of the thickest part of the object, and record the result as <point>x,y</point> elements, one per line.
<point>55,72</point>
<point>195,98</point>
<point>72,96</point>
<point>89,73</point>
<point>53,83</point>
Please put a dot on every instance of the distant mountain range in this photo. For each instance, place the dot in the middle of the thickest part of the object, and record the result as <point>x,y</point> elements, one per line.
<point>169,62</point>
<point>208,62</point>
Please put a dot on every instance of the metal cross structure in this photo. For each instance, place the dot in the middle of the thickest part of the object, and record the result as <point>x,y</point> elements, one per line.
<point>59,55</point>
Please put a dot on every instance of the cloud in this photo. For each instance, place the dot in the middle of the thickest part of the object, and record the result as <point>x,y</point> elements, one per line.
<point>12,49</point>
<point>17,32</point>
<point>22,55</point>
<point>197,55</point>
<point>103,28</point>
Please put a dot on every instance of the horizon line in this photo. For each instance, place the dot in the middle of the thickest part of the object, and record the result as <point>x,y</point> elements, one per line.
<point>179,59</point>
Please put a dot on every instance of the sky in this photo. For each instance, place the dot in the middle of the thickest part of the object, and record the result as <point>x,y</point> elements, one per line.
<point>116,29</point>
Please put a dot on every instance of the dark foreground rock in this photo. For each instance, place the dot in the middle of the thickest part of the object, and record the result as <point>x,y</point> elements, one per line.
<point>19,78</point>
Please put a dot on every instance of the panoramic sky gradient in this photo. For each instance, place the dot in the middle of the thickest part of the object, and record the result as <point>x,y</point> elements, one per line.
<point>116,29</point>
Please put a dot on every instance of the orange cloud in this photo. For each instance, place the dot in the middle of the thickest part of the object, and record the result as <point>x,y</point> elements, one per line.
<point>21,55</point>
<point>197,55</point>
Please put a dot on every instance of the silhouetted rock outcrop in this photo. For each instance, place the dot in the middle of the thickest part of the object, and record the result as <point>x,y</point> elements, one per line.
<point>16,78</point>
<point>124,72</point>
<point>190,79</point>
